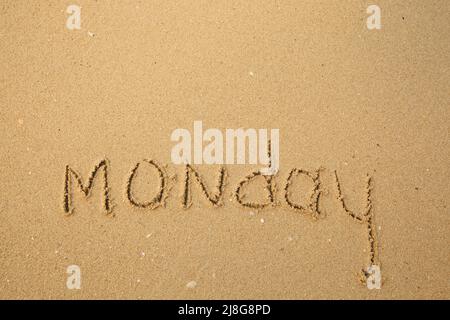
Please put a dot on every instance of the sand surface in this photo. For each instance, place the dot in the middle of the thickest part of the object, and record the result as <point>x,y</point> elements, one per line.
<point>346,99</point>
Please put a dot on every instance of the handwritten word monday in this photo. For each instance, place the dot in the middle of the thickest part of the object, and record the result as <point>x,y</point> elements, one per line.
<point>215,195</point>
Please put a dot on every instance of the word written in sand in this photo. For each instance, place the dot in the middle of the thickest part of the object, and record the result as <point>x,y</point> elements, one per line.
<point>215,197</point>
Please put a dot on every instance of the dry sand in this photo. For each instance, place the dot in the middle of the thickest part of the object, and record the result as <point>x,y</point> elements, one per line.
<point>345,98</point>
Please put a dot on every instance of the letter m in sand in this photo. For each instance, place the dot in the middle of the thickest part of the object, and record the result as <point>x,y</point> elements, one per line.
<point>71,175</point>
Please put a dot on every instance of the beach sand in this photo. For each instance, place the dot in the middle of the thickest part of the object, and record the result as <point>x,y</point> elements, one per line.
<point>346,99</point>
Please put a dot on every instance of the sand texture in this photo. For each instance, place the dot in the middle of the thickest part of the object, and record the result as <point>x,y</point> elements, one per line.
<point>364,124</point>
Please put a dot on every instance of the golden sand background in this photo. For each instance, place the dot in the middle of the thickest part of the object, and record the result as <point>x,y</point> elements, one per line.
<point>343,97</point>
